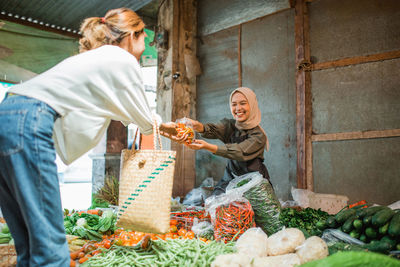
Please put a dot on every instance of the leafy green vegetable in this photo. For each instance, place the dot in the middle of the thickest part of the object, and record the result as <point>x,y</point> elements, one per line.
<point>308,220</point>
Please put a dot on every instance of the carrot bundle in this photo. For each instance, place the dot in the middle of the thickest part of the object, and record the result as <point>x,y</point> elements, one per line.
<point>232,220</point>
<point>182,129</point>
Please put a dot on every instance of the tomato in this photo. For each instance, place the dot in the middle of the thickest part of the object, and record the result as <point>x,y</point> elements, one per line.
<point>118,242</point>
<point>182,232</point>
<point>107,243</point>
<point>190,235</point>
<point>173,229</point>
<point>72,263</point>
<point>173,222</point>
<point>82,260</point>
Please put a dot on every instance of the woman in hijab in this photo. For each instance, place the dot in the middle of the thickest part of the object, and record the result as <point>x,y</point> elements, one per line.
<point>243,138</point>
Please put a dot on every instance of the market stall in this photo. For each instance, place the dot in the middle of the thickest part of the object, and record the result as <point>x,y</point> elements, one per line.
<point>232,230</point>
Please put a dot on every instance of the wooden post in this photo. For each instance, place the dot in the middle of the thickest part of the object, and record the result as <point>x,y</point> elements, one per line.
<point>117,138</point>
<point>303,97</point>
<point>184,33</point>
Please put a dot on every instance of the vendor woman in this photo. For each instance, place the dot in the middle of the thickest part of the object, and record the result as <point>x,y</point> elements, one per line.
<point>243,138</point>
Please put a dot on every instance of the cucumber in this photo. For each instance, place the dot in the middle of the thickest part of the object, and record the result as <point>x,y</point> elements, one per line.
<point>348,224</point>
<point>343,215</point>
<point>355,234</point>
<point>383,229</point>
<point>361,213</point>
<point>367,220</point>
<point>331,222</point>
<point>357,224</point>
<point>382,217</point>
<point>370,233</point>
<point>379,246</point>
<point>363,238</point>
<point>394,226</point>
<point>389,240</point>
<point>321,225</point>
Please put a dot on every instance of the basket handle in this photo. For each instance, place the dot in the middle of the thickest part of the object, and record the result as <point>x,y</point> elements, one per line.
<point>156,135</point>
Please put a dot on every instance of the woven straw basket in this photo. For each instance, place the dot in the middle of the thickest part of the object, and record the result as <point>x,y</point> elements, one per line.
<point>145,189</point>
<point>8,255</point>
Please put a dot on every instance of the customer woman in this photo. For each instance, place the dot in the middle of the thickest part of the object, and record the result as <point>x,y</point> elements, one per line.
<point>243,138</point>
<point>67,108</point>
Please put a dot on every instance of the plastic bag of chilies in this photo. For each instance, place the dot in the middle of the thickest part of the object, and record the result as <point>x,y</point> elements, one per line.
<point>259,192</point>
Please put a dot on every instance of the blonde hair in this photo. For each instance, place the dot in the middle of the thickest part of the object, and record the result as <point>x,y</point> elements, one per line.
<point>111,29</point>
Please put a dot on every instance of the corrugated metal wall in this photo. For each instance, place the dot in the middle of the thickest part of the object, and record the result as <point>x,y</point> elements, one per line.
<point>356,98</point>
<point>267,58</point>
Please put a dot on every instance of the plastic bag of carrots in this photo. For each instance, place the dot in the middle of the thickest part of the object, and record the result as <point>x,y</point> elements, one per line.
<point>185,127</point>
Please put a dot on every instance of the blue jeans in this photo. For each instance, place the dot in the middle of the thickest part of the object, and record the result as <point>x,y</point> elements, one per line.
<point>29,190</point>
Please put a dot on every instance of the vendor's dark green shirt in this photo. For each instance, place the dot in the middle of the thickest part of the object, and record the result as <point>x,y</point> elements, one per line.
<point>252,147</point>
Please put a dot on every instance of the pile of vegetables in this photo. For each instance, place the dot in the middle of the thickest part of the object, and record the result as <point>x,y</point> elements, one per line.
<point>286,248</point>
<point>171,252</point>
<point>308,220</point>
<point>5,235</point>
<point>355,259</point>
<point>379,226</point>
<point>90,226</point>
<point>232,220</point>
<point>259,192</point>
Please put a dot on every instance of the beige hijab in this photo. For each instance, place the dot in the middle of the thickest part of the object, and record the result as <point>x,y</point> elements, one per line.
<point>254,118</point>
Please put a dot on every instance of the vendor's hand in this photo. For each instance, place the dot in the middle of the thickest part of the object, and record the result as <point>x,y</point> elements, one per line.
<point>197,126</point>
<point>198,144</point>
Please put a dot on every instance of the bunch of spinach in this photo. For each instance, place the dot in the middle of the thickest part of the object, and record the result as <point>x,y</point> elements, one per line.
<point>305,219</point>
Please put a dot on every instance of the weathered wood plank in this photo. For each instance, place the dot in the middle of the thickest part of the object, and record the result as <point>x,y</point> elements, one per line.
<point>355,60</point>
<point>355,135</point>
<point>300,47</point>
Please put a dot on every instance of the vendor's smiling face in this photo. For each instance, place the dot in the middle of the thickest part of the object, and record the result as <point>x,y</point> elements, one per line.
<point>240,107</point>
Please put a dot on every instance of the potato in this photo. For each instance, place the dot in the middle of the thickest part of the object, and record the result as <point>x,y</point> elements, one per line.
<point>287,260</point>
<point>285,241</point>
<point>313,248</point>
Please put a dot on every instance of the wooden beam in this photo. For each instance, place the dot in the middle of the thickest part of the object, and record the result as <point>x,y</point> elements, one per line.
<point>240,54</point>
<point>40,27</point>
<point>302,89</point>
<point>355,135</point>
<point>183,43</point>
<point>356,60</point>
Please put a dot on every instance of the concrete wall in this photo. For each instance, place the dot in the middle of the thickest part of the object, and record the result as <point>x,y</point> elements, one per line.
<point>356,98</point>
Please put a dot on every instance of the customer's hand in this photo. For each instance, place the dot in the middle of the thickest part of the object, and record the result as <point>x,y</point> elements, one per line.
<point>168,128</point>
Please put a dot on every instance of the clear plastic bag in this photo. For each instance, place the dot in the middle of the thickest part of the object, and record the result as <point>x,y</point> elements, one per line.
<point>231,215</point>
<point>203,229</point>
<point>184,126</point>
<point>332,236</point>
<point>259,192</point>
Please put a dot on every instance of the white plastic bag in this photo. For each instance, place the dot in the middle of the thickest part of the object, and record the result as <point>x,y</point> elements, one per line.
<point>253,243</point>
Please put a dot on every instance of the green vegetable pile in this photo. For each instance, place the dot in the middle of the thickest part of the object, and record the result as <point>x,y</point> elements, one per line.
<point>308,220</point>
<point>173,252</point>
<point>379,226</point>
<point>90,226</point>
<point>265,205</point>
<point>354,259</point>
<point>5,235</point>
